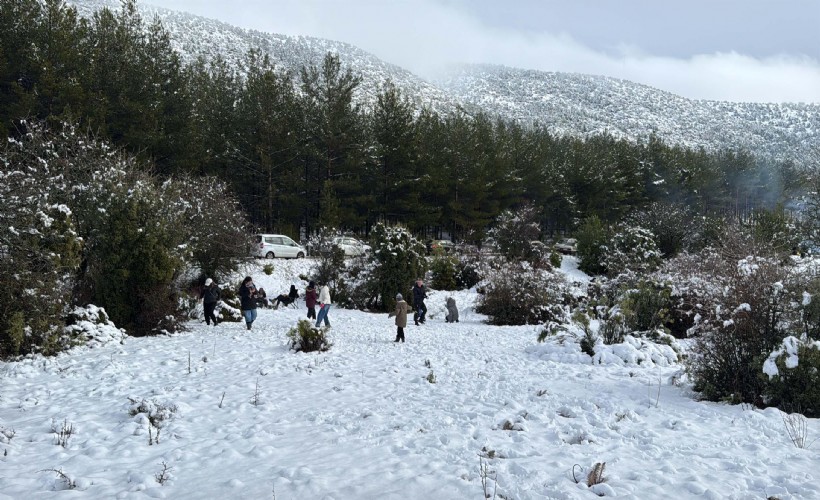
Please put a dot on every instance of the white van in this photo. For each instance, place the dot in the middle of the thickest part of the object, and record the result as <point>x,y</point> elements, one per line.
<point>277,245</point>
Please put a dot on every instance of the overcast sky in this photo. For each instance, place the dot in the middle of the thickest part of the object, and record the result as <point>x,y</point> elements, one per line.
<point>736,50</point>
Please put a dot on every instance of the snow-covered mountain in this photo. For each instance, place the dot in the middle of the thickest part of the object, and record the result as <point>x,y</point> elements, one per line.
<point>574,104</point>
<point>583,105</point>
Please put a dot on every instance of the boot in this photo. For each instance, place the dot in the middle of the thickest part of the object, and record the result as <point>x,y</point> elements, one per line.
<point>249,325</point>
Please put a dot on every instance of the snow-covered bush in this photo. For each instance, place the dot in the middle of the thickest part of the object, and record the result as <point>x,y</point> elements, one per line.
<point>592,237</point>
<point>746,319</point>
<point>398,259</point>
<point>631,248</point>
<point>810,309</point>
<point>671,225</point>
<point>468,272</point>
<point>61,188</point>
<point>305,337</point>
<point>793,377</point>
<point>518,294</point>
<point>574,343</point>
<point>40,247</point>
<point>216,232</point>
<point>514,230</point>
<point>90,325</point>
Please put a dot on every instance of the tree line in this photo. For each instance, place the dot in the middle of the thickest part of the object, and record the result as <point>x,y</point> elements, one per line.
<point>300,151</point>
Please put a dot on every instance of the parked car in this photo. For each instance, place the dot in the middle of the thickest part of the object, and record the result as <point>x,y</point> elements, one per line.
<point>278,245</point>
<point>440,246</point>
<point>567,246</point>
<point>351,246</point>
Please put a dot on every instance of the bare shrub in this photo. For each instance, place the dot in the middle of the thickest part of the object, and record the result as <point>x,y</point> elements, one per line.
<point>797,429</point>
<point>63,432</point>
<point>164,475</point>
<point>488,475</point>
<point>65,478</point>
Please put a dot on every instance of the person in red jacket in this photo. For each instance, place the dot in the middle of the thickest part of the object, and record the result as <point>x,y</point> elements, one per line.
<point>310,300</point>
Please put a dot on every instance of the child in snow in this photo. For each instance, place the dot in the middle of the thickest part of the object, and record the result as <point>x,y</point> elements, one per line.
<point>452,311</point>
<point>401,317</point>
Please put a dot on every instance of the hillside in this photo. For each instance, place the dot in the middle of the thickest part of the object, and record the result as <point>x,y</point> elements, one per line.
<point>574,104</point>
<point>583,105</point>
<point>195,36</point>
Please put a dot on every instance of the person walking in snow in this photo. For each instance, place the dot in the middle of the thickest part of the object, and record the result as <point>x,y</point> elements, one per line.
<point>310,300</point>
<point>324,305</point>
<point>401,317</point>
<point>247,300</point>
<point>452,311</point>
<point>210,297</point>
<point>419,294</point>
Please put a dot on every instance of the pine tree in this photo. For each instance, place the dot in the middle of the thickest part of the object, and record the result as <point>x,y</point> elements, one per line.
<point>334,140</point>
<point>392,125</point>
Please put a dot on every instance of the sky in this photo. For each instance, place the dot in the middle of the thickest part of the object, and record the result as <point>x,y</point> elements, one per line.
<point>735,50</point>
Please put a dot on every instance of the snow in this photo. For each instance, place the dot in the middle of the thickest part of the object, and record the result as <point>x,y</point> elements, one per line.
<point>241,416</point>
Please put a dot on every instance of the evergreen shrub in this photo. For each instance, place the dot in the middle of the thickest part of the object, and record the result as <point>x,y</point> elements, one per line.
<point>646,306</point>
<point>444,269</point>
<point>592,236</point>
<point>305,337</point>
<point>398,259</point>
<point>631,249</point>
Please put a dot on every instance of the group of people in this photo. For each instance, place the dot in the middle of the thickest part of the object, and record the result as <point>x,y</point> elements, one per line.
<point>420,310</point>
<point>250,296</point>
<point>248,304</point>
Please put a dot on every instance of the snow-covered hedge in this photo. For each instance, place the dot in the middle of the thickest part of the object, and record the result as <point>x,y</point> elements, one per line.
<point>793,376</point>
<point>518,294</point>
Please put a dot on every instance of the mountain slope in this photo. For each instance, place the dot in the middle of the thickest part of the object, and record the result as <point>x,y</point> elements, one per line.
<point>193,36</point>
<point>583,105</point>
<point>574,104</point>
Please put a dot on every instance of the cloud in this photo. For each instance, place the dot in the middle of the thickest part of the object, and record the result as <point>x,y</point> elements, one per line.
<point>425,35</point>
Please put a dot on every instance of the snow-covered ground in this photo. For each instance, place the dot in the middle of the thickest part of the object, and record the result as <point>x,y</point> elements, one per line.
<point>241,416</point>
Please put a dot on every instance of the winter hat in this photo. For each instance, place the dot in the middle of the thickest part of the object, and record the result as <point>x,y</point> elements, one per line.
<point>208,282</point>
<point>399,297</point>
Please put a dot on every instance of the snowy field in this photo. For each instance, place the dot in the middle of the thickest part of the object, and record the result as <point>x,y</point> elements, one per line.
<point>242,417</point>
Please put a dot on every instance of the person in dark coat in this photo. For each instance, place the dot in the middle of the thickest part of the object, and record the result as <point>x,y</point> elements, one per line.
<point>419,294</point>
<point>452,311</point>
<point>210,297</point>
<point>247,300</point>
<point>288,299</point>
<point>310,300</point>
<point>401,317</point>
